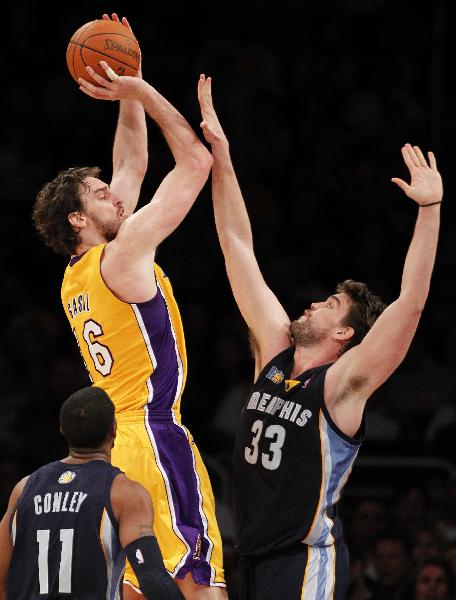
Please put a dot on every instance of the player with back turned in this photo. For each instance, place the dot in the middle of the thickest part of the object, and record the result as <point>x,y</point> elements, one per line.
<point>121,308</point>
<point>302,425</point>
<point>70,524</point>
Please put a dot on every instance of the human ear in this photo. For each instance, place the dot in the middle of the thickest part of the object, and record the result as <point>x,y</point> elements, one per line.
<point>77,220</point>
<point>345,333</point>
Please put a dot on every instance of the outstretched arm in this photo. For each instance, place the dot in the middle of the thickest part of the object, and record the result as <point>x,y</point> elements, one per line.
<point>127,259</point>
<point>260,308</point>
<point>129,157</point>
<point>359,372</point>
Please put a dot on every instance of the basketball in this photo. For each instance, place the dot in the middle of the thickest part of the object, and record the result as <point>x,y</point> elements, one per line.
<point>102,40</point>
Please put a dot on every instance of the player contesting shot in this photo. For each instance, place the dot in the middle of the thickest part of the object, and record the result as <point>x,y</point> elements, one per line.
<point>302,425</point>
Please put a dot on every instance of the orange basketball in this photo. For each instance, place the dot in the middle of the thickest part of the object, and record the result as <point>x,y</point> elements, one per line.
<point>102,40</point>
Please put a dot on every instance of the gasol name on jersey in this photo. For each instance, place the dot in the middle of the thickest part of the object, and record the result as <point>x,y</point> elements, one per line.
<point>78,304</point>
<point>284,409</point>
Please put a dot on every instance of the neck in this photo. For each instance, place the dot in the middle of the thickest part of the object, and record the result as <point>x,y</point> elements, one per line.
<point>306,358</point>
<point>85,455</point>
<point>93,240</point>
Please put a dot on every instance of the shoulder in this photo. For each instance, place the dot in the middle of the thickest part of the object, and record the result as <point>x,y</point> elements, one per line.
<point>126,493</point>
<point>17,492</point>
<point>129,275</point>
<point>274,368</point>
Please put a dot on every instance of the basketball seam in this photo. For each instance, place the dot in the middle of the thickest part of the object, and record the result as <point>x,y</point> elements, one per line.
<point>128,37</point>
<point>81,46</point>
<point>73,59</point>
<point>103,54</point>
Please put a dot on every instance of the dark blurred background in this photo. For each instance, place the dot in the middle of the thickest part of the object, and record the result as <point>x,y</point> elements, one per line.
<point>317,99</point>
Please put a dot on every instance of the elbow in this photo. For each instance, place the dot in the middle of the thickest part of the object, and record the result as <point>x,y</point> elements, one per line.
<point>141,166</point>
<point>205,160</point>
<point>136,168</point>
<point>415,303</point>
<point>413,310</point>
<point>200,163</point>
<point>416,311</point>
<point>138,172</point>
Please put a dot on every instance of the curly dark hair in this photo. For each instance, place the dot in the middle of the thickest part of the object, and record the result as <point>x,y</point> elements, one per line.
<point>86,418</point>
<point>365,308</point>
<point>54,202</point>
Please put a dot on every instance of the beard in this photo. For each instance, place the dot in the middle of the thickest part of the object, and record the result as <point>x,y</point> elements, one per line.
<point>304,334</point>
<point>107,230</point>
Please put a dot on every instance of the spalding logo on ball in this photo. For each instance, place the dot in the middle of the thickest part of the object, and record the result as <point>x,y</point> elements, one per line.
<point>103,40</point>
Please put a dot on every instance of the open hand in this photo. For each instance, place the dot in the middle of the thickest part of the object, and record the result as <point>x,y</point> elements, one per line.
<point>210,124</point>
<point>426,184</point>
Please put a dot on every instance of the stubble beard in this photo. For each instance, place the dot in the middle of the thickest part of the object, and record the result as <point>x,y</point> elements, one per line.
<point>304,334</point>
<point>107,230</point>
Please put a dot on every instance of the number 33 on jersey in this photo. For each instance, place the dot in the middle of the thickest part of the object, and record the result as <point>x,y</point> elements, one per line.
<point>289,453</point>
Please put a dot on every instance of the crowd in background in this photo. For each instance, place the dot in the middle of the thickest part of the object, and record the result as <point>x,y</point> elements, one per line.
<point>317,102</point>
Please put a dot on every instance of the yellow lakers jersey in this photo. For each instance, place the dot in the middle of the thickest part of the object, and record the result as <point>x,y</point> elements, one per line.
<point>135,352</point>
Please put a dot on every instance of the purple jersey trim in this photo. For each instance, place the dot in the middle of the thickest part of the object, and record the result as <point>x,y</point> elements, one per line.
<point>74,259</point>
<point>156,325</point>
<point>176,462</point>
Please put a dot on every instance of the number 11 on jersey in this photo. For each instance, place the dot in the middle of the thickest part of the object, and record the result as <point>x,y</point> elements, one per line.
<point>66,556</point>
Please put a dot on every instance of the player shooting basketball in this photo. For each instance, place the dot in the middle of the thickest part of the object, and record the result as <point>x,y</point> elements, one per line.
<point>121,308</point>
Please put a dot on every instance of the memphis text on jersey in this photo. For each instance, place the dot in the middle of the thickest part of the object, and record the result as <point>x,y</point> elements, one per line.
<point>284,409</point>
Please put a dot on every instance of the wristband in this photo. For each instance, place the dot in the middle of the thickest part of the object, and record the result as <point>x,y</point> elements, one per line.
<point>147,563</point>
<point>430,204</point>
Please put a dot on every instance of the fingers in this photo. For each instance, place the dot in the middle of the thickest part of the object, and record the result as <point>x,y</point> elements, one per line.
<point>414,156</point>
<point>109,72</point>
<point>407,158</point>
<point>96,77</point>
<point>420,156</point>
<point>208,89</point>
<point>401,183</point>
<point>92,90</point>
<point>411,155</point>
<point>87,91</point>
<point>103,86</point>
<point>115,17</point>
<point>201,82</point>
<point>204,90</point>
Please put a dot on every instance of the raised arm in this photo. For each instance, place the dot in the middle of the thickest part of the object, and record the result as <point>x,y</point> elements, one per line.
<point>129,157</point>
<point>6,544</point>
<point>128,257</point>
<point>260,308</point>
<point>359,372</point>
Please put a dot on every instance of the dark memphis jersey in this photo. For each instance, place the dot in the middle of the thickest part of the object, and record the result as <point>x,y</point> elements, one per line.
<point>290,462</point>
<point>65,535</point>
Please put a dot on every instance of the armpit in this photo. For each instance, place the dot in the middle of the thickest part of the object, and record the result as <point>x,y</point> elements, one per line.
<point>354,385</point>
